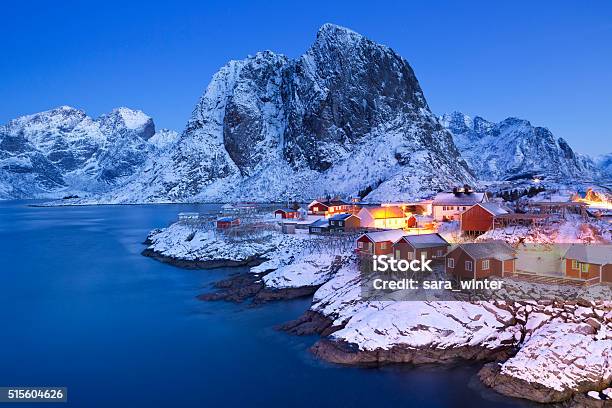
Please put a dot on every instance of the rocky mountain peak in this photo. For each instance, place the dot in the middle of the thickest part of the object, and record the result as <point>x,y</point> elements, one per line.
<point>346,117</point>
<point>514,148</point>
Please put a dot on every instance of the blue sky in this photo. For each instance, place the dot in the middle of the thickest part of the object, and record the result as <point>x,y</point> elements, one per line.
<point>546,61</point>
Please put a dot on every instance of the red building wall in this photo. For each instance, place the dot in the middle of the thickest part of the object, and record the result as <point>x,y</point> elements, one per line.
<point>476,219</point>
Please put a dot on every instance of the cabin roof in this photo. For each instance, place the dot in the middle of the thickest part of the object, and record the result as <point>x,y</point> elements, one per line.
<point>341,217</point>
<point>424,240</point>
<point>594,254</point>
<point>499,250</point>
<point>327,203</point>
<point>227,219</point>
<point>385,212</point>
<point>459,198</point>
<point>493,208</point>
<point>320,223</point>
<point>382,236</point>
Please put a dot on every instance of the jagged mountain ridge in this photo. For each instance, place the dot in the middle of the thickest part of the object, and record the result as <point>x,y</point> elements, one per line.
<point>515,149</point>
<point>64,150</point>
<point>347,116</point>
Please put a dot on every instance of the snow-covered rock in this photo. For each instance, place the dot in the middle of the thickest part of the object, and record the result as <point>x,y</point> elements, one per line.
<point>558,361</point>
<point>514,149</point>
<point>64,151</point>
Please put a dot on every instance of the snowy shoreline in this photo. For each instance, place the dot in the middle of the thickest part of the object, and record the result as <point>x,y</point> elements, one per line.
<point>547,352</point>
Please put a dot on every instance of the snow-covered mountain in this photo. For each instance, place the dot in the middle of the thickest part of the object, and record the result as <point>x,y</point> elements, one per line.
<point>347,116</point>
<point>605,163</point>
<point>65,151</point>
<point>514,149</point>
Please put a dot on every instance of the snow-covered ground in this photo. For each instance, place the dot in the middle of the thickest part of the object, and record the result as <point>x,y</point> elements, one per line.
<point>188,243</point>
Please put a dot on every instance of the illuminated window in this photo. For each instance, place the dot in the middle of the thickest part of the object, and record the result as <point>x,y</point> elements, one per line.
<point>383,245</point>
<point>584,267</point>
<point>397,254</point>
<point>410,255</point>
<point>450,263</point>
<point>485,264</point>
<point>468,265</point>
<point>574,264</point>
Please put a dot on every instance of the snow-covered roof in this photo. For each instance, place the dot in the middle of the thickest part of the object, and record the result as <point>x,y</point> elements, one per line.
<point>459,198</point>
<point>424,240</point>
<point>595,254</point>
<point>499,250</point>
<point>385,212</point>
<point>341,217</point>
<point>320,223</point>
<point>494,208</point>
<point>227,219</point>
<point>382,236</point>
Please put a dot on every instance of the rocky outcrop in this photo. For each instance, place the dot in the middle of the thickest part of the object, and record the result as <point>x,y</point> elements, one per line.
<point>346,353</point>
<point>559,361</point>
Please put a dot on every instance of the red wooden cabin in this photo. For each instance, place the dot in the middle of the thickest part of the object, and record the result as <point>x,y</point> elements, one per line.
<point>478,219</point>
<point>287,213</point>
<point>480,260</point>
<point>378,243</point>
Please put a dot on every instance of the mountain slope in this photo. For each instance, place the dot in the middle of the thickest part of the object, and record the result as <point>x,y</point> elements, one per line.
<point>515,149</point>
<point>347,116</point>
<point>64,150</point>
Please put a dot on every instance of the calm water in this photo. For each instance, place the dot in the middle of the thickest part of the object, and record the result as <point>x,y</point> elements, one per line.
<point>82,308</point>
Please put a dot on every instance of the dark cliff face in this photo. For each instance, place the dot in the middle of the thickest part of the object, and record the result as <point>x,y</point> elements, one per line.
<point>340,90</point>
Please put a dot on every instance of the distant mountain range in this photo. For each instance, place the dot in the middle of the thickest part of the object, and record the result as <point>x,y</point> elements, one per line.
<point>64,151</point>
<point>515,149</point>
<point>348,117</point>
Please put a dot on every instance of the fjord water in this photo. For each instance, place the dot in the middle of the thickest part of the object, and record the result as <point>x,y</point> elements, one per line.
<point>82,308</point>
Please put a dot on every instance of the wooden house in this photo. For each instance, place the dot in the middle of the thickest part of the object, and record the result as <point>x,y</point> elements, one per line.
<point>227,222</point>
<point>287,213</point>
<point>420,221</point>
<point>344,223</point>
<point>382,217</point>
<point>411,247</point>
<point>448,206</point>
<point>318,227</point>
<point>329,207</point>
<point>378,243</point>
<point>591,263</point>
<point>479,218</point>
<point>481,260</point>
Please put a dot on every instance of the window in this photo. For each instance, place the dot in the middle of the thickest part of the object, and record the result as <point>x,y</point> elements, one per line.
<point>360,245</point>
<point>485,264</point>
<point>468,265</point>
<point>439,252</point>
<point>574,264</point>
<point>450,263</point>
<point>397,254</point>
<point>383,245</point>
<point>410,255</point>
<point>584,267</point>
